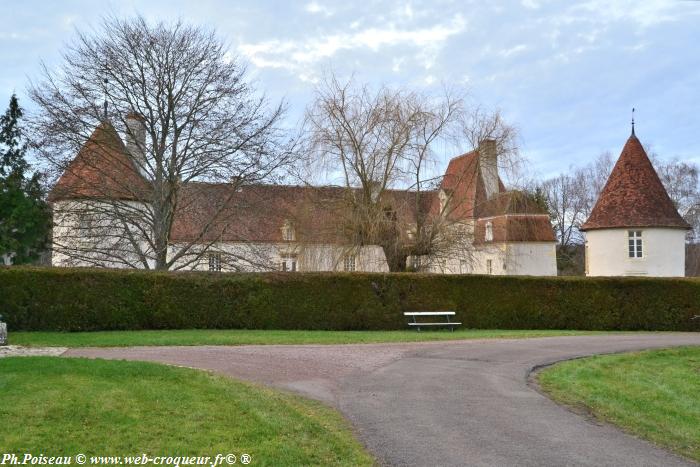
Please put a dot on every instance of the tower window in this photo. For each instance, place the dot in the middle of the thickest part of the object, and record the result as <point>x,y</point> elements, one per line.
<point>635,243</point>
<point>215,262</point>
<point>488,235</point>
<point>349,263</point>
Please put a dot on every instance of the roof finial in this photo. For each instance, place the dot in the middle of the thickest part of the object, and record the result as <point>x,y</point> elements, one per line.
<point>633,122</point>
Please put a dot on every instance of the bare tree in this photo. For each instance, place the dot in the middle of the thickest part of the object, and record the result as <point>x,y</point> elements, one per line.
<point>570,198</point>
<point>682,183</point>
<point>382,144</point>
<point>188,114</point>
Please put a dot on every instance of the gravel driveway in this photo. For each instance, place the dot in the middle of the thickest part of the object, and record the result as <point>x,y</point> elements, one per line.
<point>440,403</point>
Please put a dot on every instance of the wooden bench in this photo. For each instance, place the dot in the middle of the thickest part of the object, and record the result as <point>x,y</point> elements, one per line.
<point>415,323</point>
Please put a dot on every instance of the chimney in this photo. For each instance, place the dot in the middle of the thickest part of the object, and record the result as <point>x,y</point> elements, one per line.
<point>488,162</point>
<point>136,140</point>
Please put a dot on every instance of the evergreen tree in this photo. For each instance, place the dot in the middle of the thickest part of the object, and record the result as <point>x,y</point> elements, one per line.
<point>24,217</point>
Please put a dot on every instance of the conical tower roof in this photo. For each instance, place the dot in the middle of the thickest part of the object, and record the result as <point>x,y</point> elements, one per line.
<point>634,195</point>
<point>102,169</point>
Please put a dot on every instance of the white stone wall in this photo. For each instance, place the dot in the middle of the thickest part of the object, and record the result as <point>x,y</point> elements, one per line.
<point>517,259</point>
<point>532,259</point>
<point>260,257</point>
<point>663,253</point>
<point>90,233</point>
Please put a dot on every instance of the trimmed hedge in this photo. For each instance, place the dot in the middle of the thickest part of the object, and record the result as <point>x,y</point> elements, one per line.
<point>95,299</point>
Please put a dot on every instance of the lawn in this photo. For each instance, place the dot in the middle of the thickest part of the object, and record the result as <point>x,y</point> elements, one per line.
<point>59,406</point>
<point>653,394</point>
<point>242,337</point>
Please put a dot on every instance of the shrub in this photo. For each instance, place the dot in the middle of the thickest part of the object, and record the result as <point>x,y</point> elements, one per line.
<point>90,299</point>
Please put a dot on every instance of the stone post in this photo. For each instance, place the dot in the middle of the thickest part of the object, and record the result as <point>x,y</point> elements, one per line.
<point>3,332</point>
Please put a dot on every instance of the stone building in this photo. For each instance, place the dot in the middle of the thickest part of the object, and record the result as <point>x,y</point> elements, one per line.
<point>634,228</point>
<point>293,228</point>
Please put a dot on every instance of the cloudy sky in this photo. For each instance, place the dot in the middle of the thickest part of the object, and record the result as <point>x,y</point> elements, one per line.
<point>565,73</point>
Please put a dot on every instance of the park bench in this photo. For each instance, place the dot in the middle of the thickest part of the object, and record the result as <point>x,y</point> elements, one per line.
<point>416,314</point>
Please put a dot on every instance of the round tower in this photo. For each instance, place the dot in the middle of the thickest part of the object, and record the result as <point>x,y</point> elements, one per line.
<point>634,228</point>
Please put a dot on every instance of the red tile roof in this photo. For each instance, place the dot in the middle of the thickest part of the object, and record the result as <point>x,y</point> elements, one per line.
<point>634,195</point>
<point>257,213</point>
<point>465,185</point>
<point>208,212</point>
<point>515,228</point>
<point>101,170</point>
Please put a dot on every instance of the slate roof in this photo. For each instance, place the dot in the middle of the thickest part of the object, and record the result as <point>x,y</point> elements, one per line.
<point>634,195</point>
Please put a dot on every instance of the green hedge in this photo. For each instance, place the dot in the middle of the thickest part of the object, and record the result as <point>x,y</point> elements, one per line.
<point>89,299</point>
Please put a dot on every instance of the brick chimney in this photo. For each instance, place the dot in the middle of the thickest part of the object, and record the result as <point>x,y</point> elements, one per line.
<point>488,163</point>
<point>136,139</point>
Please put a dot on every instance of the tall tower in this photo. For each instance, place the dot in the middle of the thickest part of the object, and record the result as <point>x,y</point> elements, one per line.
<point>634,228</point>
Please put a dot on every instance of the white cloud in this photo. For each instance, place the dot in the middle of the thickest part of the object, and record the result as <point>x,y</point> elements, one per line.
<point>13,36</point>
<point>646,13</point>
<point>315,8</point>
<point>513,50</point>
<point>532,4</point>
<point>299,55</point>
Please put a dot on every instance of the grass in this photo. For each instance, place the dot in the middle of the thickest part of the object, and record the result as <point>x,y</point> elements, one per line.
<point>242,337</point>
<point>653,394</point>
<point>59,406</point>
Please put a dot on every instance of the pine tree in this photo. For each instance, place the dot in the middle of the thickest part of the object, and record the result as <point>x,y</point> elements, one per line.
<point>24,217</point>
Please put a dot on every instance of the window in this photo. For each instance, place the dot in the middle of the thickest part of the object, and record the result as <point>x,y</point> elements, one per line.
<point>349,263</point>
<point>635,243</point>
<point>288,234</point>
<point>489,266</point>
<point>416,262</point>
<point>288,263</point>
<point>463,266</point>
<point>488,235</point>
<point>84,221</point>
<point>215,262</point>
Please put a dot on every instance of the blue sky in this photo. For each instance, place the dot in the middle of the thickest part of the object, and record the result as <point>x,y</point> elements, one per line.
<point>565,73</point>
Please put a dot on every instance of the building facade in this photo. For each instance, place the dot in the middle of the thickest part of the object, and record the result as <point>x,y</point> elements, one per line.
<point>634,228</point>
<point>229,227</point>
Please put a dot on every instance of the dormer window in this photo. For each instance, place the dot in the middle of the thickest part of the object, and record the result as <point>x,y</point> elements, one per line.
<point>635,243</point>
<point>488,233</point>
<point>443,200</point>
<point>411,232</point>
<point>288,233</point>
